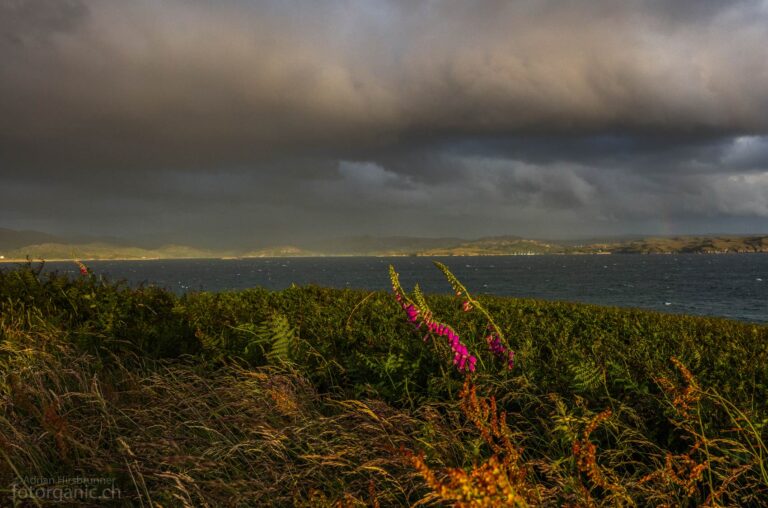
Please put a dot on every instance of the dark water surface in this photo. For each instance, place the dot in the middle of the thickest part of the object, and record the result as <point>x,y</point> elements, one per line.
<point>734,286</point>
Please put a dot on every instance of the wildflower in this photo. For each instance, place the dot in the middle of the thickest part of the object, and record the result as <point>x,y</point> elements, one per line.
<point>413,313</point>
<point>498,349</point>
<point>83,268</point>
<point>466,306</point>
<point>461,357</point>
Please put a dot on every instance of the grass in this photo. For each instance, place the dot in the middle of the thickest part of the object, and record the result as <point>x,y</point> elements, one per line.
<point>313,396</point>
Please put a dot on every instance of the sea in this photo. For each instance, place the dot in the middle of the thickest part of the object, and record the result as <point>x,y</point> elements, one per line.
<point>725,285</point>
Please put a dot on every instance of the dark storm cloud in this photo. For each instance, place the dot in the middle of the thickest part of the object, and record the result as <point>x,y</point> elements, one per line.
<point>447,117</point>
<point>23,22</point>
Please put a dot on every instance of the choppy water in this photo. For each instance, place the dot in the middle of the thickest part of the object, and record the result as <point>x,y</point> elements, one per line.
<point>734,286</point>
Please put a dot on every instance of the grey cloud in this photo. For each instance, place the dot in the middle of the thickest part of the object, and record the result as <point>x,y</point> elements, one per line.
<point>34,22</point>
<point>192,83</point>
<point>451,117</point>
<point>748,152</point>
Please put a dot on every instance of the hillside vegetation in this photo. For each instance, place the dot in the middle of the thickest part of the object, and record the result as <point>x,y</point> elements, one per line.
<point>321,397</point>
<point>20,245</point>
<point>496,246</point>
<point>694,244</point>
<point>105,251</point>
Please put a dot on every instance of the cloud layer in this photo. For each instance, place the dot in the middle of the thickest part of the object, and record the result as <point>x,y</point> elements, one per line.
<point>205,121</point>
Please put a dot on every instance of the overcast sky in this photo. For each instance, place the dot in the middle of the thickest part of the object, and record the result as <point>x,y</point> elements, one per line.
<point>244,122</point>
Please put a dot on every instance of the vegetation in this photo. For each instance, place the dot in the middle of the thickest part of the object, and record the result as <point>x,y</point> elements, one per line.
<point>497,246</point>
<point>20,245</point>
<point>64,251</point>
<point>320,397</point>
<point>694,244</point>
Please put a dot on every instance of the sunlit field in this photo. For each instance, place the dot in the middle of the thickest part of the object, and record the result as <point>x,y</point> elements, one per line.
<point>321,397</point>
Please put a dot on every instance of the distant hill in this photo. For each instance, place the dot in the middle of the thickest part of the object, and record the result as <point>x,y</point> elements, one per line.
<point>496,246</point>
<point>693,244</point>
<point>103,251</point>
<point>16,245</point>
<point>285,251</point>
<point>381,245</point>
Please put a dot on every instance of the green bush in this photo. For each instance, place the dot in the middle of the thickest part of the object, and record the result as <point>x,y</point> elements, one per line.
<point>356,349</point>
<point>361,342</point>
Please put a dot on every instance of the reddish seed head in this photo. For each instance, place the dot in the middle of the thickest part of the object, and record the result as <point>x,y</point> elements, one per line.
<point>83,268</point>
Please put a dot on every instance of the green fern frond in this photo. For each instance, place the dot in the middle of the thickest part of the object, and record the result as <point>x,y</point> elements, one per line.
<point>620,376</point>
<point>214,344</point>
<point>566,424</point>
<point>368,360</point>
<point>273,339</point>
<point>587,375</point>
<point>281,337</point>
<point>393,363</point>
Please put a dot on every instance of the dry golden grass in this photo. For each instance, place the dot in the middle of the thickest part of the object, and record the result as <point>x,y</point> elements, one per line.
<point>178,434</point>
<point>84,393</point>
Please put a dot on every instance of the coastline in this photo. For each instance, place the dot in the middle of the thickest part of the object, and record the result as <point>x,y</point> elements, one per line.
<point>387,255</point>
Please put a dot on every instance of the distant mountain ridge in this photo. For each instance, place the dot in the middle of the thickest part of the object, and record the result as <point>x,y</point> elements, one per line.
<point>282,251</point>
<point>17,245</point>
<point>378,245</point>
<point>54,251</point>
<point>496,245</point>
<point>695,244</point>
